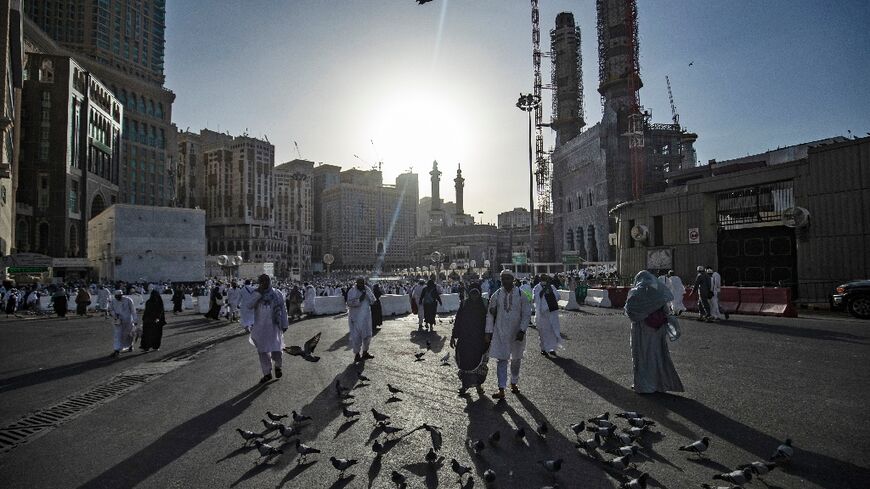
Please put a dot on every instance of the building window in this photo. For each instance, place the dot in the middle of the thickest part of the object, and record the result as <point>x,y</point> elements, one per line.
<point>658,231</point>
<point>589,197</point>
<point>74,197</point>
<point>46,71</point>
<point>42,197</point>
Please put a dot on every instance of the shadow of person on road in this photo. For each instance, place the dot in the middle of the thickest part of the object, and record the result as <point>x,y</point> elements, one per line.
<point>60,372</point>
<point>174,443</point>
<point>818,468</point>
<point>436,341</point>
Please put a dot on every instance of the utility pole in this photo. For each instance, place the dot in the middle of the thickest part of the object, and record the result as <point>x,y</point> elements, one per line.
<point>529,103</point>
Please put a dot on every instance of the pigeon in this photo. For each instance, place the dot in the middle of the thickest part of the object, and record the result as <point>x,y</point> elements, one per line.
<point>377,447</point>
<point>620,463</point>
<point>494,438</point>
<point>697,447</point>
<point>445,360</point>
<point>306,351</point>
<point>275,417</point>
<point>629,415</point>
<point>578,428</point>
<point>489,476</point>
<point>380,417</point>
<point>552,466</point>
<point>423,2</point>
<point>783,452</point>
<point>624,438</point>
<point>304,450</point>
<point>605,415</point>
<point>738,477</point>
<point>600,430</point>
<point>641,422</point>
<point>248,435</point>
<point>418,357</point>
<point>758,468</point>
<point>435,434</point>
<point>520,433</point>
<point>477,446</point>
<point>394,390</point>
<point>590,444</point>
<point>266,450</point>
<point>543,429</point>
<point>431,456</point>
<point>270,425</point>
<point>390,430</point>
<point>349,413</point>
<point>428,345</point>
<point>627,450</point>
<point>299,418</point>
<point>603,423</point>
<point>639,483</point>
<point>287,432</point>
<point>459,468</point>
<point>398,478</point>
<point>635,432</point>
<point>342,464</point>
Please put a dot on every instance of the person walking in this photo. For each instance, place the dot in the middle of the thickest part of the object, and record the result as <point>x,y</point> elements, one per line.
<point>651,359</point>
<point>215,300</point>
<point>377,311</point>
<point>124,312</point>
<point>60,302</point>
<point>678,289</point>
<point>703,287</point>
<point>294,303</point>
<point>310,295</point>
<point>359,316</point>
<point>177,299</point>
<point>234,298</point>
<point>153,320</point>
<point>431,298</point>
<point>506,322</point>
<point>416,307</point>
<point>103,297</point>
<point>716,288</point>
<point>469,340</point>
<point>268,327</point>
<point>547,315</point>
<point>83,300</point>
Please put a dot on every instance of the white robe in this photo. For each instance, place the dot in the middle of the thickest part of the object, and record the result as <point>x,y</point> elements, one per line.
<point>267,334</point>
<point>246,313</point>
<point>234,298</point>
<point>124,312</point>
<point>359,316</point>
<point>716,281</point>
<point>547,321</point>
<point>675,284</point>
<point>103,296</point>
<point>507,323</point>
<point>308,304</point>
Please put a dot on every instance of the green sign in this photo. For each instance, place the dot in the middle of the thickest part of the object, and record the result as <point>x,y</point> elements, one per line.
<point>570,259</point>
<point>26,270</point>
<point>520,259</point>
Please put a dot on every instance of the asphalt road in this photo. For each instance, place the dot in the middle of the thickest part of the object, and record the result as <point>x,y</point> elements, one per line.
<point>750,383</point>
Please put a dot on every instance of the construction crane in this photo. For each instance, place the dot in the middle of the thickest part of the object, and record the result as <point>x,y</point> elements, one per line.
<point>674,116</point>
<point>298,153</point>
<point>542,160</point>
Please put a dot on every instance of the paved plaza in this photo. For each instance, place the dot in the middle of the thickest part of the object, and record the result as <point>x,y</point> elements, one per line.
<point>167,419</point>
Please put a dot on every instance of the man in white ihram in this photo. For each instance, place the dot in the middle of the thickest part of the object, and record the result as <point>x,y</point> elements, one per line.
<point>308,302</point>
<point>547,315</point>
<point>270,323</point>
<point>716,281</point>
<point>124,312</point>
<point>359,316</point>
<point>246,314</point>
<point>234,299</point>
<point>678,289</point>
<point>506,322</point>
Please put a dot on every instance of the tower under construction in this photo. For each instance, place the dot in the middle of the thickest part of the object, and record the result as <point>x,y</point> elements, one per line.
<point>566,78</point>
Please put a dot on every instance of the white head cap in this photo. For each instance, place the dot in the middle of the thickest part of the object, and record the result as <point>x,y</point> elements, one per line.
<point>507,272</point>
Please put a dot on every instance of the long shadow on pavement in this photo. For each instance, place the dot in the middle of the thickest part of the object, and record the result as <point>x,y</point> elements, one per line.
<point>816,467</point>
<point>174,443</point>
<point>59,372</point>
<point>800,332</point>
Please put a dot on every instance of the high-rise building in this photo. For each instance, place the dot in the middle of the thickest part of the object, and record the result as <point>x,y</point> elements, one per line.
<point>567,78</point>
<point>293,219</point>
<point>70,158</point>
<point>10,117</point>
<point>121,42</point>
<point>368,225</point>
<point>323,177</point>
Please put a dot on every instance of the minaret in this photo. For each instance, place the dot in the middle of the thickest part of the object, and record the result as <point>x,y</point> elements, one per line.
<point>567,79</point>
<point>459,182</point>
<point>436,181</point>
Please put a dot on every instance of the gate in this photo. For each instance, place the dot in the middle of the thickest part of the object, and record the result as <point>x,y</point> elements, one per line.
<point>758,257</point>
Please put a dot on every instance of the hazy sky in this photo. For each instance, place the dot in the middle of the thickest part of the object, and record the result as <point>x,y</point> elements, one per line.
<point>440,81</point>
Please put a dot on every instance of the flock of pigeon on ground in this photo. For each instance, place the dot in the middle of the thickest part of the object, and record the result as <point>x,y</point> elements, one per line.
<point>623,443</point>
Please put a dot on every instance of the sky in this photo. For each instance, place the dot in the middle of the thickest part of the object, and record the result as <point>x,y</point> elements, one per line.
<point>355,82</point>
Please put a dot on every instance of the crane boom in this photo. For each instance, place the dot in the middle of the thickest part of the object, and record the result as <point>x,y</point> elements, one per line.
<point>674,115</point>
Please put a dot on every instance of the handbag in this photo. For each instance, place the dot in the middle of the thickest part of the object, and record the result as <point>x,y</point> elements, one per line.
<point>656,319</point>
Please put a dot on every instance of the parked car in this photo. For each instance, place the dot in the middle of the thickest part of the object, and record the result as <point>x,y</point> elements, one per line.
<point>853,297</point>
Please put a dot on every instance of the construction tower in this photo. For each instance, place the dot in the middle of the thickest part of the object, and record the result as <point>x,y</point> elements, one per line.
<point>567,79</point>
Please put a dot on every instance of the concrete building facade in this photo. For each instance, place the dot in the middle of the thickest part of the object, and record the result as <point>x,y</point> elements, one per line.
<point>791,217</point>
<point>11,50</point>
<point>293,214</point>
<point>121,42</point>
<point>70,155</point>
<point>323,177</point>
<point>133,243</point>
<point>368,225</point>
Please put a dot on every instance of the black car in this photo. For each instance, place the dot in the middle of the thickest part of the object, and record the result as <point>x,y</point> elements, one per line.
<point>854,297</point>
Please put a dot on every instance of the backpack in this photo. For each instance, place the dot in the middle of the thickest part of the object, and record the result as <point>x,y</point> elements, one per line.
<point>550,297</point>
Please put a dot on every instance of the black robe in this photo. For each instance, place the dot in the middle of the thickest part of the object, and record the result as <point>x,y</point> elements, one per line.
<point>214,304</point>
<point>153,320</point>
<point>430,309</point>
<point>377,311</point>
<point>469,330</point>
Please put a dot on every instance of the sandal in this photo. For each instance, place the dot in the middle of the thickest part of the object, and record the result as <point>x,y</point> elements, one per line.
<point>515,389</point>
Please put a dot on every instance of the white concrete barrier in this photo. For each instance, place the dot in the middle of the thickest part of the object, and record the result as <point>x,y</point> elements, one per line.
<point>203,303</point>
<point>598,298</point>
<point>167,302</point>
<point>189,303</point>
<point>329,305</point>
<point>568,300</point>
<point>449,303</point>
<point>394,305</point>
<point>45,303</point>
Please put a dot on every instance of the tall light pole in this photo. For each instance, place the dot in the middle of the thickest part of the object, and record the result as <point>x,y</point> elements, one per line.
<point>299,178</point>
<point>528,103</point>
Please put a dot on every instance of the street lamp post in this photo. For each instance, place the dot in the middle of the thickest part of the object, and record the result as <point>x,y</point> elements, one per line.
<point>528,103</point>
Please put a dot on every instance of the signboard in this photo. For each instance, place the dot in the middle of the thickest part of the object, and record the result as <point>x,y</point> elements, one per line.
<point>694,236</point>
<point>570,259</point>
<point>11,270</point>
<point>70,263</point>
<point>612,239</point>
<point>660,259</point>
<point>519,259</point>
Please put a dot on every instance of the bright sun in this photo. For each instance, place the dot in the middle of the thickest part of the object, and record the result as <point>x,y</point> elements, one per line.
<point>416,127</point>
